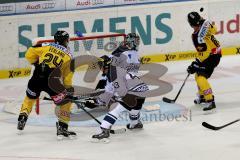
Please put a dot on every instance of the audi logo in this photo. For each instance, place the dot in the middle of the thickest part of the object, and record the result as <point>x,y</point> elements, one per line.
<point>6,8</point>
<point>48,5</point>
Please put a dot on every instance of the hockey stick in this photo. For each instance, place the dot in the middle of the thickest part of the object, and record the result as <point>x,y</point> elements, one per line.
<point>116,131</point>
<point>167,100</point>
<point>75,99</point>
<point>209,126</point>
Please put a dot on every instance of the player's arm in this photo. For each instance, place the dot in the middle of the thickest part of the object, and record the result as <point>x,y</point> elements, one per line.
<point>33,54</point>
<point>213,28</point>
<point>118,60</point>
<point>116,84</point>
<point>204,33</point>
<point>67,73</point>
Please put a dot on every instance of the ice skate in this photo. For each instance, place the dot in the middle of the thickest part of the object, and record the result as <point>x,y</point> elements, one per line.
<point>22,119</point>
<point>62,131</point>
<point>209,106</point>
<point>199,100</point>
<point>139,125</point>
<point>102,137</point>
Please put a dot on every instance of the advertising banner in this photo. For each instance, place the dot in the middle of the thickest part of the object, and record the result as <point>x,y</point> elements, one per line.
<point>163,28</point>
<point>40,6</point>
<point>123,2</point>
<point>82,4</point>
<point>7,8</point>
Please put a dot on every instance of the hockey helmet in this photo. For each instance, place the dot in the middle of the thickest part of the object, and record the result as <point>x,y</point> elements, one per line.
<point>61,37</point>
<point>104,62</point>
<point>194,18</point>
<point>132,41</point>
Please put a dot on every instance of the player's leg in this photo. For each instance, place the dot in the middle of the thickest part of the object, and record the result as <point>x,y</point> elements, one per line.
<point>60,96</point>
<point>32,93</point>
<point>200,97</point>
<point>108,121</point>
<point>63,114</point>
<point>205,87</point>
<point>202,81</point>
<point>134,115</point>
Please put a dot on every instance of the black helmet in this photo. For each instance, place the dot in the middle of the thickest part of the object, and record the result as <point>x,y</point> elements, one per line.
<point>104,62</point>
<point>194,18</point>
<point>60,37</point>
<point>132,41</point>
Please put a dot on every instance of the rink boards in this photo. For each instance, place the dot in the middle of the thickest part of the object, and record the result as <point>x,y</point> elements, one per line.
<point>163,28</point>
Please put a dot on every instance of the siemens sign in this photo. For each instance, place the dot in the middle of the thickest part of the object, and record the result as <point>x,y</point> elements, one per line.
<point>146,26</point>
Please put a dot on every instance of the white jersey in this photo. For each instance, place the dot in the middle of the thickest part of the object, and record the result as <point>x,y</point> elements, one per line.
<point>120,83</point>
<point>128,60</point>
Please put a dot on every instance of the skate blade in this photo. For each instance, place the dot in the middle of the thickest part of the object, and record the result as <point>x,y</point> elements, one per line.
<point>104,140</point>
<point>135,129</point>
<point>19,132</point>
<point>61,137</point>
<point>72,137</point>
<point>212,111</point>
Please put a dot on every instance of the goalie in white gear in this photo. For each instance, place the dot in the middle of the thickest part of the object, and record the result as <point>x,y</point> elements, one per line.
<point>128,92</point>
<point>125,56</point>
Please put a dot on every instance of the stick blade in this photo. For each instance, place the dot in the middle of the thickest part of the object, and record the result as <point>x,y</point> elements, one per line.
<point>118,131</point>
<point>167,100</point>
<point>209,126</point>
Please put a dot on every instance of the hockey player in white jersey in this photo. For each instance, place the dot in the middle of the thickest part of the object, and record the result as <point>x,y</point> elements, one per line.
<point>128,92</point>
<point>125,56</point>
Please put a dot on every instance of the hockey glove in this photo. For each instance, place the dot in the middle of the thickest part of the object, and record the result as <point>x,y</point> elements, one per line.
<point>90,105</point>
<point>195,67</point>
<point>102,82</point>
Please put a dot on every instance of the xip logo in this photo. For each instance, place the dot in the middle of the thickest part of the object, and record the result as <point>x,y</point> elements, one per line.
<point>169,57</point>
<point>13,74</point>
<point>238,51</point>
<point>145,60</point>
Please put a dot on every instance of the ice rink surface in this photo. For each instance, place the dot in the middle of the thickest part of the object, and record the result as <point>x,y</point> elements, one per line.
<point>175,140</point>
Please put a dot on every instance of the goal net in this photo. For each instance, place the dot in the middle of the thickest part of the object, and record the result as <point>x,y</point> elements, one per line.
<point>94,44</point>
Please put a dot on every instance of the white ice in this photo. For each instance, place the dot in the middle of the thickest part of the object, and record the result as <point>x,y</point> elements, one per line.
<point>158,141</point>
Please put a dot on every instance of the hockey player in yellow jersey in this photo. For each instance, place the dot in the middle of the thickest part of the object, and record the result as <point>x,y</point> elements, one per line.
<point>209,55</point>
<point>53,75</point>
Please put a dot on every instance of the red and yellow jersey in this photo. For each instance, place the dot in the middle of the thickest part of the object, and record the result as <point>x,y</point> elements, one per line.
<point>205,41</point>
<point>53,55</point>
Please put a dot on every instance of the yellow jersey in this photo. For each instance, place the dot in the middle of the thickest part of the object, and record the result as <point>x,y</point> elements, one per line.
<point>54,56</point>
<point>205,41</point>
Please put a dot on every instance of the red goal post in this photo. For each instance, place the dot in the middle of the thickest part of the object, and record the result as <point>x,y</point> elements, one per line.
<point>93,43</point>
<point>50,39</point>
